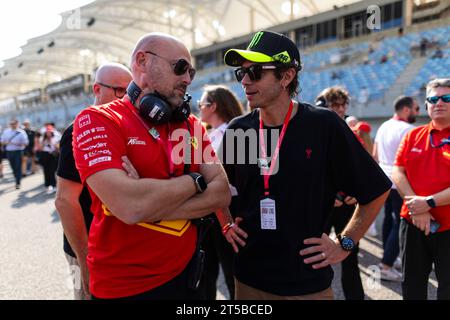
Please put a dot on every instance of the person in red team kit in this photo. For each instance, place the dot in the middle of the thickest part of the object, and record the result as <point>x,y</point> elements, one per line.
<point>422,175</point>
<point>142,243</point>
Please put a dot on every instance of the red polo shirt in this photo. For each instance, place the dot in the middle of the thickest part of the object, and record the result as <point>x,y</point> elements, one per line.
<point>124,259</point>
<point>427,168</point>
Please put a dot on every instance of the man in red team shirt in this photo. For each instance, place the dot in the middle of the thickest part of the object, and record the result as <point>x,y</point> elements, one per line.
<point>422,176</point>
<point>142,240</point>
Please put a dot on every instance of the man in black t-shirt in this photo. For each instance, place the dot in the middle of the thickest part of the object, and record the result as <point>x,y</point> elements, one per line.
<point>72,198</point>
<point>286,161</point>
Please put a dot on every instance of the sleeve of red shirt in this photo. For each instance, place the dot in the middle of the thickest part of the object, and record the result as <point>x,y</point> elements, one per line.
<point>400,157</point>
<point>97,143</point>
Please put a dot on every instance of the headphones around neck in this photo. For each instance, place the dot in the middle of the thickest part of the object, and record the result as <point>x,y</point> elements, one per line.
<point>156,109</point>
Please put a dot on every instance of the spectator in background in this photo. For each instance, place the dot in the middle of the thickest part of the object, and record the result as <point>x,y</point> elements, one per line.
<point>218,106</point>
<point>423,47</point>
<point>421,174</point>
<point>49,157</point>
<point>387,140</point>
<point>2,155</point>
<point>351,121</point>
<point>438,54</point>
<point>73,201</point>
<point>29,159</point>
<point>15,140</point>
<point>337,99</point>
<point>363,129</point>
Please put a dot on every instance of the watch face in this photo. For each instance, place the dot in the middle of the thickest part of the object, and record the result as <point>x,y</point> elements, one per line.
<point>201,182</point>
<point>347,244</point>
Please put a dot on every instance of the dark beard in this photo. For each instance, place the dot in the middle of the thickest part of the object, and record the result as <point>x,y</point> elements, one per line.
<point>411,119</point>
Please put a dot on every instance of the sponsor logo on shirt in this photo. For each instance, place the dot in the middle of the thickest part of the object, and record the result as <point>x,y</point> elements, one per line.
<point>97,146</point>
<point>96,153</point>
<point>98,160</point>
<point>135,140</point>
<point>417,150</point>
<point>84,121</point>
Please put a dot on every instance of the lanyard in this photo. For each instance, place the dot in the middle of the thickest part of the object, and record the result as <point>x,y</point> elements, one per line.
<point>443,142</point>
<point>268,173</point>
<point>155,135</point>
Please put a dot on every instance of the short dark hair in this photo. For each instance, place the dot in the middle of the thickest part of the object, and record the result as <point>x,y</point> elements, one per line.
<point>403,101</point>
<point>293,85</point>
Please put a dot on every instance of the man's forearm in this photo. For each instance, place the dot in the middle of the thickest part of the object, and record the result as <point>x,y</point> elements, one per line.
<point>442,198</point>
<point>217,195</point>
<point>74,228</point>
<point>363,217</point>
<point>134,201</point>
<point>401,182</point>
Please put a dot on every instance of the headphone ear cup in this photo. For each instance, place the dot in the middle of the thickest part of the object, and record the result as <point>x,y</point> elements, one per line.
<point>182,112</point>
<point>155,109</point>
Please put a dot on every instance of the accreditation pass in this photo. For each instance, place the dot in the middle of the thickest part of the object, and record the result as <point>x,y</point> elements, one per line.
<point>268,214</point>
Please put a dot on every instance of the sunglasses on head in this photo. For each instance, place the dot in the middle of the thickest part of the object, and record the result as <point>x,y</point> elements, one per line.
<point>180,67</point>
<point>435,99</point>
<point>254,71</point>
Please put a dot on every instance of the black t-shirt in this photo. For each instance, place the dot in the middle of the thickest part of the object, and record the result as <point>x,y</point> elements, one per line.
<point>31,134</point>
<point>319,156</point>
<point>67,170</point>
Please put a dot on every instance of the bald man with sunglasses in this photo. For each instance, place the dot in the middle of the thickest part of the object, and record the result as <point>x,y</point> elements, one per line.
<point>283,202</point>
<point>72,198</point>
<point>142,242</point>
<point>422,175</point>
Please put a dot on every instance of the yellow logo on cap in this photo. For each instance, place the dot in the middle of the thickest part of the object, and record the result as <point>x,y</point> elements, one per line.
<point>283,57</point>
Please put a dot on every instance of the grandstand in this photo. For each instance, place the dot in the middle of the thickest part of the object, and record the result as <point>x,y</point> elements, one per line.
<point>337,48</point>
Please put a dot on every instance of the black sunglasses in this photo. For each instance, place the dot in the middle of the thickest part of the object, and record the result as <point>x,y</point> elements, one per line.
<point>435,99</point>
<point>180,67</point>
<point>119,92</point>
<point>254,71</point>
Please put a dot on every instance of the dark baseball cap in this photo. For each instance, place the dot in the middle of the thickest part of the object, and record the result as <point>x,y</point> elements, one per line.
<point>266,46</point>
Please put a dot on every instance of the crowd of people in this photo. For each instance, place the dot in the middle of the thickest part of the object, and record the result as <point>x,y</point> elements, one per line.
<point>153,199</point>
<point>25,149</point>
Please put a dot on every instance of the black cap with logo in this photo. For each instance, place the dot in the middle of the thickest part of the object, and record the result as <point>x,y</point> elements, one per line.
<point>265,47</point>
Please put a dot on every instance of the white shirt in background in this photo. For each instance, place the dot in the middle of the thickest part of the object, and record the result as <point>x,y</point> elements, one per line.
<point>388,139</point>
<point>216,135</point>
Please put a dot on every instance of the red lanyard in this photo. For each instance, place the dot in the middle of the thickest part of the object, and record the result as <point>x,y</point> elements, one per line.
<point>268,173</point>
<point>155,135</point>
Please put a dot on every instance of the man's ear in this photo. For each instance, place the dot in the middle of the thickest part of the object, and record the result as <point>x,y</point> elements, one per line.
<point>288,76</point>
<point>140,60</point>
<point>96,89</point>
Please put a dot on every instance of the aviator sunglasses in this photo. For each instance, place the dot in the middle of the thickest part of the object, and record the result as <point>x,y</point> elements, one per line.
<point>180,67</point>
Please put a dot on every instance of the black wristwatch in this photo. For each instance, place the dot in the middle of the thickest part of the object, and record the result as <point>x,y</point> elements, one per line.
<point>430,201</point>
<point>199,181</point>
<point>347,243</point>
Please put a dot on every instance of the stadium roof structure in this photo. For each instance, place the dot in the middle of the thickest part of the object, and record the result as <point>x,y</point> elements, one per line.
<point>107,30</point>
